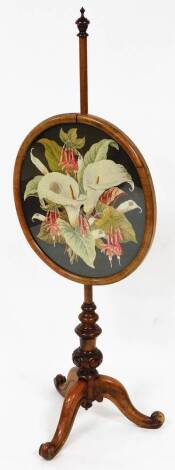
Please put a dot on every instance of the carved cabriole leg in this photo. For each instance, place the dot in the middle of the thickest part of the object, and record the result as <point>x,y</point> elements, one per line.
<point>84,384</point>
<point>71,405</point>
<point>62,384</point>
<point>107,387</point>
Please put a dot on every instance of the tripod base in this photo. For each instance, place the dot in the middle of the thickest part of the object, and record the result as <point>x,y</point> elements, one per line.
<point>81,392</point>
<point>84,384</point>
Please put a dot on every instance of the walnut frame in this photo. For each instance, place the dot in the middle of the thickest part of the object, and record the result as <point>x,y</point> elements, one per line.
<point>145,178</point>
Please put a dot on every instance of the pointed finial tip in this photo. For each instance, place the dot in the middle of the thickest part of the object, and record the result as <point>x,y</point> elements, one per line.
<point>82,24</point>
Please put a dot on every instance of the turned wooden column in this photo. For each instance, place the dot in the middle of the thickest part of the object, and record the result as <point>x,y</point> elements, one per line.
<point>87,357</point>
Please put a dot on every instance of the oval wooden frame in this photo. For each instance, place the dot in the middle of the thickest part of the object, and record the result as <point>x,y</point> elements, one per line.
<point>143,173</point>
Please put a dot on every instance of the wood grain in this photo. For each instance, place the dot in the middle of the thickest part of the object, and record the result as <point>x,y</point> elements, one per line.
<point>71,405</point>
<point>83,75</point>
<point>115,391</point>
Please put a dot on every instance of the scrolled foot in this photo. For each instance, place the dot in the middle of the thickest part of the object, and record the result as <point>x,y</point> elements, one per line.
<point>62,384</point>
<point>47,451</point>
<point>71,404</point>
<point>58,381</point>
<point>158,419</point>
<point>115,391</point>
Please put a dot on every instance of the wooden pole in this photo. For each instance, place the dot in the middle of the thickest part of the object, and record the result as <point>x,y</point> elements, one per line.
<point>83,76</point>
<point>88,295</point>
<point>82,24</point>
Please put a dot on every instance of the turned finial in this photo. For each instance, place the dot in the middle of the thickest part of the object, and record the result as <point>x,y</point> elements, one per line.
<point>82,24</point>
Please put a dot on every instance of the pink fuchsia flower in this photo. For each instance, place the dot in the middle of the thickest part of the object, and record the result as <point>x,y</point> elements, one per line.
<point>110,194</point>
<point>52,226</point>
<point>113,246</point>
<point>83,224</point>
<point>68,160</point>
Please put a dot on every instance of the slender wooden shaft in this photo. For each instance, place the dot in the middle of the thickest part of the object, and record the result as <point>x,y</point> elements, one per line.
<point>88,295</point>
<point>82,25</point>
<point>83,75</point>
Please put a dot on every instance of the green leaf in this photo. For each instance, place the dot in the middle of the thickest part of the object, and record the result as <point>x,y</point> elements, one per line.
<point>63,136</point>
<point>72,135</point>
<point>46,237</point>
<point>80,143</point>
<point>72,256</point>
<point>99,151</point>
<point>52,153</point>
<point>127,230</point>
<point>81,246</point>
<point>100,207</point>
<point>112,218</point>
<point>32,187</point>
<point>71,138</point>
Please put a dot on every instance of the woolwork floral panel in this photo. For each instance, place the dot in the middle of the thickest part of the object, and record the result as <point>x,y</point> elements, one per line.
<point>82,200</point>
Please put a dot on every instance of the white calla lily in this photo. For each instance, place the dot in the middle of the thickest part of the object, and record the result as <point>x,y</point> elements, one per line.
<point>39,165</point>
<point>128,206</point>
<point>98,176</point>
<point>39,217</point>
<point>102,175</point>
<point>62,190</point>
